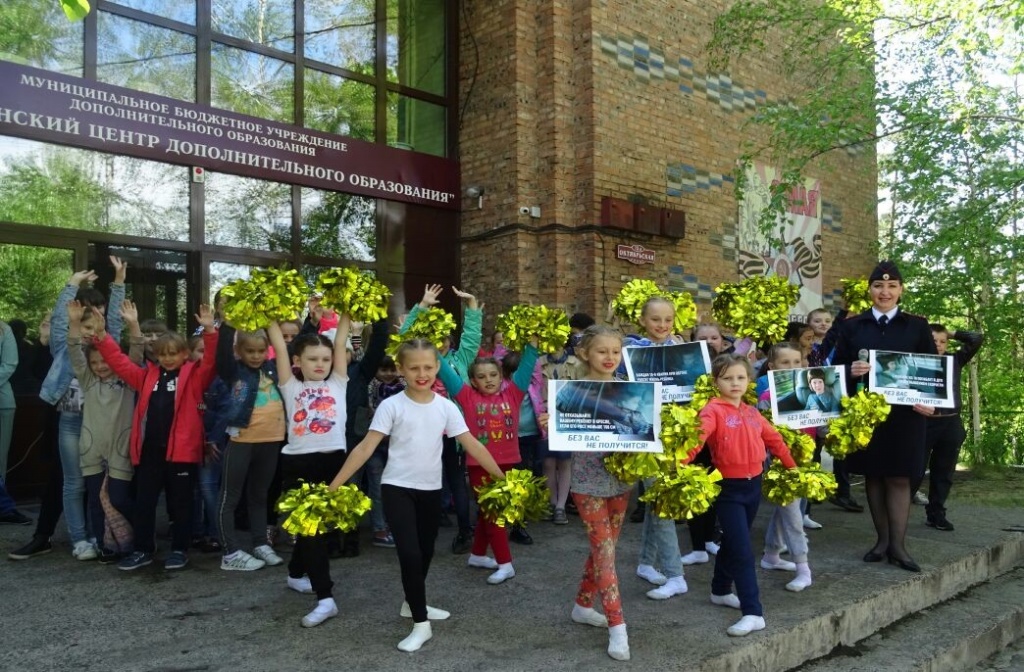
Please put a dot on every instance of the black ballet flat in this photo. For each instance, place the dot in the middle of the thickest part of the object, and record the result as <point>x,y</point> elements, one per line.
<point>907,564</point>
<point>872,556</point>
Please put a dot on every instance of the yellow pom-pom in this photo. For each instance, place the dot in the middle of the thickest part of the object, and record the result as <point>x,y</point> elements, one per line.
<point>518,497</point>
<point>269,295</point>
<point>686,493</point>
<point>801,445</point>
<point>628,305</point>
<point>520,323</point>
<point>757,308</point>
<point>315,509</point>
<point>356,293</point>
<point>856,295</point>
<point>632,467</point>
<point>857,420</point>
<point>433,324</point>
<point>782,486</point>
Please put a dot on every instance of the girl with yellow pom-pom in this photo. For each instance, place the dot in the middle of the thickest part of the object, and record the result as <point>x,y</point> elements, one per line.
<point>737,436</point>
<point>786,523</point>
<point>415,420</point>
<point>659,542</point>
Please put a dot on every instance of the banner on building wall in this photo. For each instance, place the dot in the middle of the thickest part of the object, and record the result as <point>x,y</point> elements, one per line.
<point>799,257</point>
<point>51,107</point>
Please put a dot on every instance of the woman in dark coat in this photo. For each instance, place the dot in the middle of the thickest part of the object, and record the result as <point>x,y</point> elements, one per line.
<point>897,448</point>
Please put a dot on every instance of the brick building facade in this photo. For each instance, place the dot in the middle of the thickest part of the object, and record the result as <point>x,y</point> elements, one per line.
<point>564,103</point>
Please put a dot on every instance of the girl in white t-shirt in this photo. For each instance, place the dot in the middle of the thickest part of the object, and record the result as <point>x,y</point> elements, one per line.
<point>315,447</point>
<point>416,421</point>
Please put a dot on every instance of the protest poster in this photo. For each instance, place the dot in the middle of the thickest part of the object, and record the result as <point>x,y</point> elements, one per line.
<point>803,398</point>
<point>676,367</point>
<point>906,379</point>
<point>604,416</point>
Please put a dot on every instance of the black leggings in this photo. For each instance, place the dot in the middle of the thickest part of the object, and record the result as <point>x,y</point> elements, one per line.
<point>412,515</point>
<point>310,556</point>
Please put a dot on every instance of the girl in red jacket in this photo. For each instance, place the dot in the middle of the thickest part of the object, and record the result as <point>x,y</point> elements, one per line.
<point>491,406</point>
<point>166,443</point>
<point>737,435</point>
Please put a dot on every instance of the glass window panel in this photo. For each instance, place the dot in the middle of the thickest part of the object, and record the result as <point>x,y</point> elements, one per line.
<point>249,213</point>
<point>38,274</point>
<point>39,34</point>
<point>342,33</point>
<point>252,84</point>
<point>416,124</point>
<point>225,272</point>
<point>145,57</point>
<point>338,225</point>
<point>337,105</point>
<point>416,53</point>
<point>177,10</point>
<point>267,22</point>
<point>51,185</point>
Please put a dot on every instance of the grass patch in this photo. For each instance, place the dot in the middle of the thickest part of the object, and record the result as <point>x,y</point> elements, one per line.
<point>984,485</point>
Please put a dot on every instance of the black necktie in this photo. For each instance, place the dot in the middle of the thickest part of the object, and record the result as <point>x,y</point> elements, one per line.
<point>883,320</point>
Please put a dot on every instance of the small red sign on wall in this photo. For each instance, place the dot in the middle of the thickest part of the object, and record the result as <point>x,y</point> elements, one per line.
<point>634,254</point>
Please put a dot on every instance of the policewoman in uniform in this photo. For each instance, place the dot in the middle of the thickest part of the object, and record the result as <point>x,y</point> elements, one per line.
<point>896,452</point>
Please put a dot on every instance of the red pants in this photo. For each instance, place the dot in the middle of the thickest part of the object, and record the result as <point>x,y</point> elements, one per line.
<point>602,517</point>
<point>487,532</point>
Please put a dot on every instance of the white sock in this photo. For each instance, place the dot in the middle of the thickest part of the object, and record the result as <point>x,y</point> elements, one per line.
<point>712,548</point>
<point>650,574</point>
<point>301,584</point>
<point>505,572</point>
<point>746,625</point>
<point>482,562</point>
<point>803,578</point>
<point>588,616</point>
<point>674,586</point>
<point>618,642</point>
<point>729,600</point>
<point>433,614</point>
<point>325,609</point>
<point>421,633</point>
<point>695,558</point>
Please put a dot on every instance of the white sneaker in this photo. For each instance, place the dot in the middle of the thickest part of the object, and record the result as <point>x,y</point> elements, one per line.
<point>326,608</point>
<point>618,642</point>
<point>651,575</point>
<point>920,498</point>
<point>674,586</point>
<point>588,616</point>
<point>799,583</point>
<point>780,564</point>
<point>504,573</point>
<point>482,562</point>
<point>729,600</point>
<point>301,585</point>
<point>695,558</point>
<point>810,524</point>
<point>240,561</point>
<point>746,625</point>
<point>267,555</point>
<point>84,550</point>
<point>433,614</point>
<point>420,635</point>
<point>712,548</point>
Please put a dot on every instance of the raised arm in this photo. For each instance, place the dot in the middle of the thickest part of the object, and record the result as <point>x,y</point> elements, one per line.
<point>132,374</point>
<point>114,320</point>
<point>136,341</point>
<point>472,331</point>
<point>340,365</point>
<point>283,362</point>
<point>430,294</point>
<point>76,353</point>
<point>450,378</point>
<point>523,375</point>
<point>373,355</point>
<point>207,369</point>
<point>59,316</point>
<point>972,341</point>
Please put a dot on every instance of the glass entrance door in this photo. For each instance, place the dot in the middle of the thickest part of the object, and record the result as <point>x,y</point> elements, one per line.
<point>160,282</point>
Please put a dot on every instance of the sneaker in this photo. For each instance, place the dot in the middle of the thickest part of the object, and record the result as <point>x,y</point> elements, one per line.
<point>462,542</point>
<point>84,550</point>
<point>729,600</point>
<point>939,522</point>
<point>301,585</point>
<point>136,560</point>
<point>267,555</point>
<point>14,517</point>
<point>695,558</point>
<point>38,546</point>
<point>674,586</point>
<point>848,503</point>
<point>651,575</point>
<point>712,548</point>
<point>482,562</point>
<point>176,560</point>
<point>520,536</point>
<point>560,518</point>
<point>108,557</point>
<point>383,540</point>
<point>745,626</point>
<point>504,573</point>
<point>810,524</point>
<point>326,608</point>
<point>588,616</point>
<point>920,498</point>
<point>240,561</point>
<point>780,564</point>
<point>550,515</point>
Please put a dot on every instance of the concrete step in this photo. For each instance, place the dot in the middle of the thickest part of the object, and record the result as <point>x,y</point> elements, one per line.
<point>949,637</point>
<point>786,645</point>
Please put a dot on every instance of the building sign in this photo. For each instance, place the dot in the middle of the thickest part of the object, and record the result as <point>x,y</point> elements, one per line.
<point>635,254</point>
<point>52,107</point>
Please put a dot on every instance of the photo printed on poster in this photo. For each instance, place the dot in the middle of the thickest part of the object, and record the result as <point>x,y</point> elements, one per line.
<point>803,398</point>
<point>906,379</point>
<point>604,416</point>
<point>676,367</point>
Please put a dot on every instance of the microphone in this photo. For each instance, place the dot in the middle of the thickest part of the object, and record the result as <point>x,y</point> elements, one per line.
<point>863,356</point>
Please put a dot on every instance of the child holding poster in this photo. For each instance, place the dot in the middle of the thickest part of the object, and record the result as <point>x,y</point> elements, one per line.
<point>737,436</point>
<point>659,542</point>
<point>601,500</point>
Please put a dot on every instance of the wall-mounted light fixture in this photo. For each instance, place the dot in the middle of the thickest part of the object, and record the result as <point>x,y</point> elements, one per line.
<point>477,192</point>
